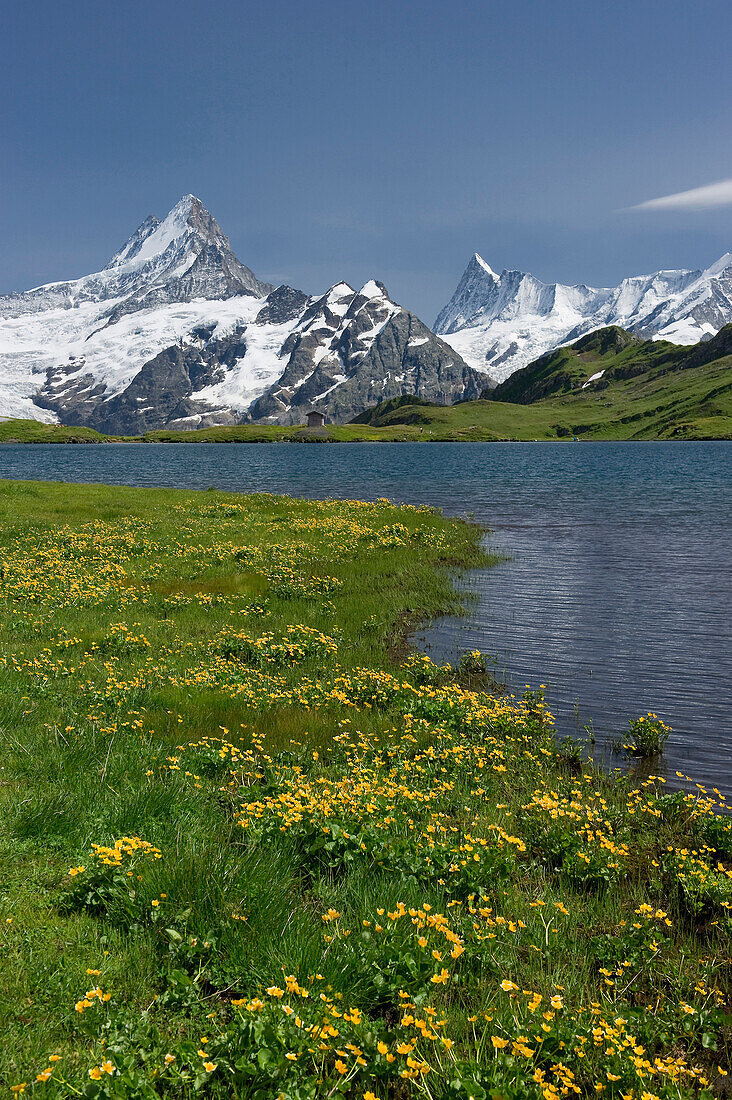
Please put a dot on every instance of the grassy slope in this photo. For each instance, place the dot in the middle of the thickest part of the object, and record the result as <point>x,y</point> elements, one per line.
<point>32,431</point>
<point>378,852</point>
<point>649,389</point>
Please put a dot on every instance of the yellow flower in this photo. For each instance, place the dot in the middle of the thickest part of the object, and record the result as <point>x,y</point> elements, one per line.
<point>45,1075</point>
<point>108,1067</point>
<point>209,1066</point>
<point>291,1057</point>
<point>508,987</point>
<point>169,1059</point>
<point>498,1042</point>
<point>275,991</point>
<point>341,1066</point>
<point>95,1073</point>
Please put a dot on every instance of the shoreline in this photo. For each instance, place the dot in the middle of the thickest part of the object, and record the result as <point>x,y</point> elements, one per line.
<point>336,439</point>
<point>251,816</point>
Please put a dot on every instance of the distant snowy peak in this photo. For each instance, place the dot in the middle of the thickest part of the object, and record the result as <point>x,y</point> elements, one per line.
<point>247,359</point>
<point>171,246</point>
<point>182,258</point>
<point>470,298</point>
<point>500,323</point>
<point>188,253</point>
<point>131,250</point>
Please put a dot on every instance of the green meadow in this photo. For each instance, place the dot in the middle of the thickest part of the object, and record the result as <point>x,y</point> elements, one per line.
<point>255,846</point>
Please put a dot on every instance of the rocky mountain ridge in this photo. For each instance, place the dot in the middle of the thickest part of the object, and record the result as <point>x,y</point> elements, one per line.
<point>501,323</point>
<point>176,332</point>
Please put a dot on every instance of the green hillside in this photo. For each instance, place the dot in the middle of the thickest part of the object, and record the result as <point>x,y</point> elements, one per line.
<point>647,390</point>
<point>32,431</point>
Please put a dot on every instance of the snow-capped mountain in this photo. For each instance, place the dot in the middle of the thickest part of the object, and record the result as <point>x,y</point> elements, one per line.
<point>351,349</point>
<point>499,323</point>
<point>175,331</point>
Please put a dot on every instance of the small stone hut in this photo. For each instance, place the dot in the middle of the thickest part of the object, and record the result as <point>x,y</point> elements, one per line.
<point>316,419</point>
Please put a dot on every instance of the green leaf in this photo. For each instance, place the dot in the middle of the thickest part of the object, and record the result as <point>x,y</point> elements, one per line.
<point>179,977</point>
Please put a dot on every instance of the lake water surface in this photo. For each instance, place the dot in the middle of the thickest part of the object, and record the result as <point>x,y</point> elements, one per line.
<point>617,592</point>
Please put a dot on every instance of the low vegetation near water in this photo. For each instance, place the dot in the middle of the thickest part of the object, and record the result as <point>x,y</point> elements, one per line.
<point>253,847</point>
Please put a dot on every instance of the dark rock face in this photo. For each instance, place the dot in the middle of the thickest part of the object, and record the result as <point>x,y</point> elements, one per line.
<point>404,358</point>
<point>395,366</point>
<point>283,304</point>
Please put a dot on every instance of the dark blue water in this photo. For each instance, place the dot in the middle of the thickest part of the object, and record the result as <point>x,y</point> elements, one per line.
<point>617,594</point>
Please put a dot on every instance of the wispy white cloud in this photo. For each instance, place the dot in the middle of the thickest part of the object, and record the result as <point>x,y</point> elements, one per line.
<point>699,198</point>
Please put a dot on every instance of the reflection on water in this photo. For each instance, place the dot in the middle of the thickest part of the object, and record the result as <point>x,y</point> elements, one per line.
<point>616,593</point>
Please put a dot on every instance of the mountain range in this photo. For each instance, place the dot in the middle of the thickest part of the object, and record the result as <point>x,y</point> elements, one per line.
<point>175,332</point>
<point>500,323</point>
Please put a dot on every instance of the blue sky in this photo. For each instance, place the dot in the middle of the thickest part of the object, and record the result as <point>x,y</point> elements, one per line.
<point>390,139</point>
